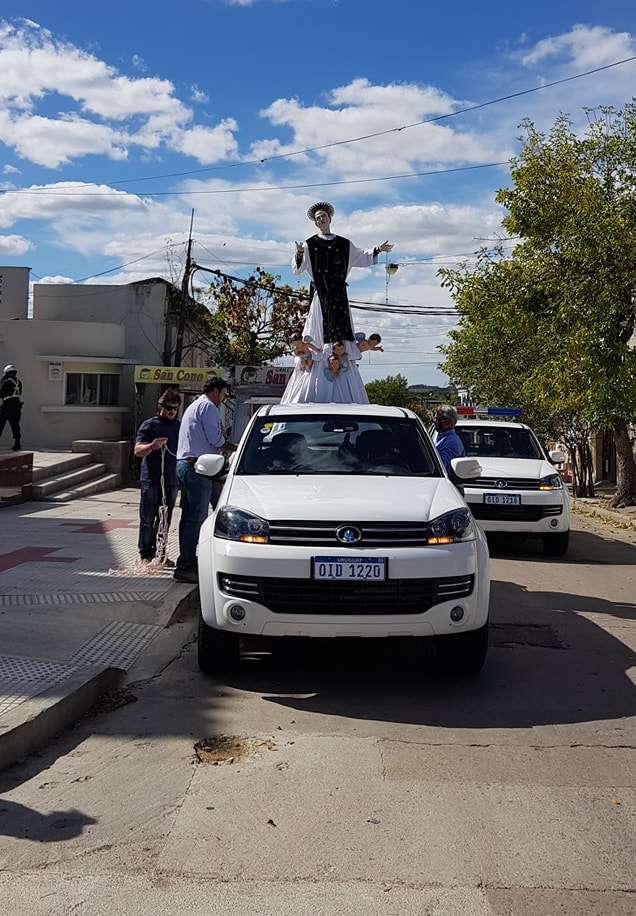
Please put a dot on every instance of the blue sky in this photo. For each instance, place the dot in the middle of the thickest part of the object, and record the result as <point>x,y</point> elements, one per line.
<point>118,120</point>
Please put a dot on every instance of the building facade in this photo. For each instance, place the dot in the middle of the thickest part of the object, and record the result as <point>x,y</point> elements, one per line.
<point>77,350</point>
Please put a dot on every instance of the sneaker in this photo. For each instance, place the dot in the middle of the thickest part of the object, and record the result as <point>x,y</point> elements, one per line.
<point>146,561</point>
<point>190,575</point>
<point>168,562</point>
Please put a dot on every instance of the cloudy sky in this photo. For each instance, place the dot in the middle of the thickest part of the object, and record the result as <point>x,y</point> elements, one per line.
<point>120,122</point>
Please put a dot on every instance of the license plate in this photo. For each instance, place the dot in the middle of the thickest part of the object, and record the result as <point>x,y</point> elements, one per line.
<point>360,569</point>
<point>502,499</point>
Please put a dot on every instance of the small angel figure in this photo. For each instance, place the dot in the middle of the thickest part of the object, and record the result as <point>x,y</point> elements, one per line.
<point>373,343</point>
<point>303,347</point>
<point>333,368</point>
<point>339,350</point>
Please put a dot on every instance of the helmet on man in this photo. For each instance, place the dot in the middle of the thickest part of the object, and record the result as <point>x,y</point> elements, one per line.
<point>9,369</point>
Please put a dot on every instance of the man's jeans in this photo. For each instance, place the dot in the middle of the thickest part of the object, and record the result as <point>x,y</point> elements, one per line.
<point>196,492</point>
<point>149,502</point>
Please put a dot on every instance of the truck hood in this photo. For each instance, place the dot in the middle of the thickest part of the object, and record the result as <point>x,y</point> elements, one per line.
<point>343,497</point>
<point>509,468</point>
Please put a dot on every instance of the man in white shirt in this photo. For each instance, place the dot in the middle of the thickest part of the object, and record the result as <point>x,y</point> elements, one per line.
<point>200,433</point>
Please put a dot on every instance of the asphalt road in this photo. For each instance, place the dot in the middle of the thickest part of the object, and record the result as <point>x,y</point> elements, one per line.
<point>356,779</point>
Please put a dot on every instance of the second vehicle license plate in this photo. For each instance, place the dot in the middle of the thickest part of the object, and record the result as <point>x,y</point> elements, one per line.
<point>502,499</point>
<point>360,569</point>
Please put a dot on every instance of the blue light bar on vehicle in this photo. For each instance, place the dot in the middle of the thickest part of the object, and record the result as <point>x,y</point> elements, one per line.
<point>465,411</point>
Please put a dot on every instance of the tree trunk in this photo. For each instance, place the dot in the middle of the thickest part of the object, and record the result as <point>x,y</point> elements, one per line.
<point>625,468</point>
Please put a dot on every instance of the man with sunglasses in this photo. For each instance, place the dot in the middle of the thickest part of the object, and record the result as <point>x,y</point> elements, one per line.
<point>156,445</point>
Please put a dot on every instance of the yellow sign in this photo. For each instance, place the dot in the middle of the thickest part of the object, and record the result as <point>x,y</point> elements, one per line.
<point>174,375</point>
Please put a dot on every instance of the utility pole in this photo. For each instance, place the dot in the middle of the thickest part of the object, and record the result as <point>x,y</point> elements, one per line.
<point>185,299</point>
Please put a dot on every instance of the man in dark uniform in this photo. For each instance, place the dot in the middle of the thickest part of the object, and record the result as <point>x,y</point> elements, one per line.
<point>11,404</point>
<point>156,445</point>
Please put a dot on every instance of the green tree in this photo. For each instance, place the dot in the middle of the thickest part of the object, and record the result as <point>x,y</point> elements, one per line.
<point>550,326</point>
<point>253,320</point>
<point>392,391</point>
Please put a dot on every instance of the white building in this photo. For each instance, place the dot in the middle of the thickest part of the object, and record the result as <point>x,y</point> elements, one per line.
<point>76,355</point>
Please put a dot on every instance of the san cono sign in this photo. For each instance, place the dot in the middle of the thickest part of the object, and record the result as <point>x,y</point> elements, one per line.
<point>174,374</point>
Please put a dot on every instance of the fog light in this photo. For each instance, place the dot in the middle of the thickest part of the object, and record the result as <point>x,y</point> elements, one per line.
<point>236,612</point>
<point>456,614</point>
<point>553,523</point>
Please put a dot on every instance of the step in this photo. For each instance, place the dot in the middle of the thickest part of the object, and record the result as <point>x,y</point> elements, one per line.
<point>48,464</point>
<point>68,480</point>
<point>100,484</point>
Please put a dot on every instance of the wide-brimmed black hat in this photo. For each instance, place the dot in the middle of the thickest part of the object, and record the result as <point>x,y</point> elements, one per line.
<point>322,205</point>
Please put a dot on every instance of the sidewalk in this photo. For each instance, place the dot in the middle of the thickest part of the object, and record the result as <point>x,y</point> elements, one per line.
<point>598,506</point>
<point>77,612</point>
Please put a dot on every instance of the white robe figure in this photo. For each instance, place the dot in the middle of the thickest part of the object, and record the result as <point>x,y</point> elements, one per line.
<point>329,259</point>
<point>301,387</point>
<point>346,387</point>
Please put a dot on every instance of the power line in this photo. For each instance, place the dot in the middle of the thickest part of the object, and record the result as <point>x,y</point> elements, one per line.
<point>334,144</point>
<point>60,190</point>
<point>381,133</point>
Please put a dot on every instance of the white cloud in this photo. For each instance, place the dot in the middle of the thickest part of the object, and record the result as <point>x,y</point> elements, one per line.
<point>56,279</point>
<point>209,144</point>
<point>393,112</point>
<point>55,142</point>
<point>583,47</point>
<point>14,246</point>
<point>68,201</point>
<point>198,96</point>
<point>106,113</point>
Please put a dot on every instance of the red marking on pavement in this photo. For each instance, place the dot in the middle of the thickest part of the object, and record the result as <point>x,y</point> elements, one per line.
<point>31,555</point>
<point>101,527</point>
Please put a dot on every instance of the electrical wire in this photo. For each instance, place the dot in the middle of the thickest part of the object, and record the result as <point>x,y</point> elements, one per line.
<point>381,133</point>
<point>338,143</point>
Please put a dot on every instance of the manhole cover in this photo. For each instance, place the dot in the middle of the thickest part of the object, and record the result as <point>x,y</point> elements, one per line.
<point>229,749</point>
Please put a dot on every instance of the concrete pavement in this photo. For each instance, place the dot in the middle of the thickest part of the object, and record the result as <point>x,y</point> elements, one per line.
<point>78,613</point>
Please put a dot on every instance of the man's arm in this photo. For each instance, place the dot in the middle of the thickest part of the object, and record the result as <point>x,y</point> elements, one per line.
<point>145,444</point>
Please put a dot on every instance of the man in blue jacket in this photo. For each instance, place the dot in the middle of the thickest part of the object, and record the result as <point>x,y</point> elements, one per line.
<point>448,443</point>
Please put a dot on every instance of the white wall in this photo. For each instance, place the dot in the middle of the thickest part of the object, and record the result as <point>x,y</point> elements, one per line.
<point>46,422</point>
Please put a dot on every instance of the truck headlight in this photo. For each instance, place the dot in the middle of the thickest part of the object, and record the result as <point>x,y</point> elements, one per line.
<point>551,482</point>
<point>451,528</point>
<point>238,525</point>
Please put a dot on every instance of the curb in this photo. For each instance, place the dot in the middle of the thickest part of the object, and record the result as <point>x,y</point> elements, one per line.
<point>622,518</point>
<point>44,716</point>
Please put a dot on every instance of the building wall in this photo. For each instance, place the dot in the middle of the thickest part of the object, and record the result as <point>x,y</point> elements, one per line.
<point>14,293</point>
<point>46,421</point>
<point>139,308</point>
<point>86,328</point>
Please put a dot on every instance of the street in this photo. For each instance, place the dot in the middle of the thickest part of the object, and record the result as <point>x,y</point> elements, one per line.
<point>355,779</point>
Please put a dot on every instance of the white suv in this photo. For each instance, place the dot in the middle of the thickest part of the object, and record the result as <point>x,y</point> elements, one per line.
<point>519,491</point>
<point>339,520</point>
